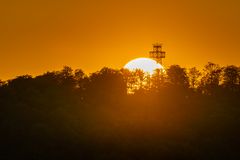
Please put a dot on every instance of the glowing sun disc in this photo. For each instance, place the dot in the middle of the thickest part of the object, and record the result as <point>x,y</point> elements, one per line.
<point>147,65</point>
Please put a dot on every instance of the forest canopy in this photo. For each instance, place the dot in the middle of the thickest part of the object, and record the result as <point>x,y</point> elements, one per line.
<point>117,114</point>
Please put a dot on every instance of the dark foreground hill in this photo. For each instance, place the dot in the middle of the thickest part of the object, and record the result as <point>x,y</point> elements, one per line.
<point>66,115</point>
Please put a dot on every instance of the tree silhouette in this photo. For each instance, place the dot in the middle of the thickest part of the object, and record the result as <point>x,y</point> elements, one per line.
<point>67,114</point>
<point>177,76</point>
<point>106,83</point>
<point>211,78</point>
<point>194,76</point>
<point>231,78</point>
<point>157,80</point>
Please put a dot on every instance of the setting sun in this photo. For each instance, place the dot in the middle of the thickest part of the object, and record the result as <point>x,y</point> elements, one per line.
<point>147,65</point>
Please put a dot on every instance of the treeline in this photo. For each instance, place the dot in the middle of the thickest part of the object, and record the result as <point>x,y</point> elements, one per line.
<point>175,113</point>
<point>211,81</point>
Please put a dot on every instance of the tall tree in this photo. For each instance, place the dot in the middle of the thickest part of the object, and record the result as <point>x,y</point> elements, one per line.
<point>158,79</point>
<point>211,78</point>
<point>177,76</point>
<point>231,77</point>
<point>66,77</point>
<point>106,83</point>
<point>80,78</point>
<point>193,76</point>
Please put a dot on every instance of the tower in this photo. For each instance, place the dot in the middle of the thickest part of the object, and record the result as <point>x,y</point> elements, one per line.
<point>157,53</point>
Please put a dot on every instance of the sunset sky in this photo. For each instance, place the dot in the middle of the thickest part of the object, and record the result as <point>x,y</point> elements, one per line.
<point>42,35</point>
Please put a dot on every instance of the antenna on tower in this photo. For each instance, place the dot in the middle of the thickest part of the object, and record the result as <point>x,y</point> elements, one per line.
<point>157,53</point>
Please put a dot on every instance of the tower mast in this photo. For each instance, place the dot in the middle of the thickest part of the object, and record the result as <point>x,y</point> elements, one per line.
<point>157,53</point>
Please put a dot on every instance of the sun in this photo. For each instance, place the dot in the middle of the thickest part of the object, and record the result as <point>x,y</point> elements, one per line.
<point>147,65</point>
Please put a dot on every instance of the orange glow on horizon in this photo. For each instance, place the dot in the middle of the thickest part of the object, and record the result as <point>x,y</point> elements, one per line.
<point>40,36</point>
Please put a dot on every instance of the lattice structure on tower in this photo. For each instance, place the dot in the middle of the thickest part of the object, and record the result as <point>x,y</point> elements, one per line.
<point>157,53</point>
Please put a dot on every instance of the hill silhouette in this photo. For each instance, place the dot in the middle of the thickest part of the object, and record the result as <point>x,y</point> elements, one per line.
<point>122,115</point>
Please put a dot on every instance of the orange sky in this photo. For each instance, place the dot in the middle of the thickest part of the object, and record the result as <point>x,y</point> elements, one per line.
<point>39,36</point>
